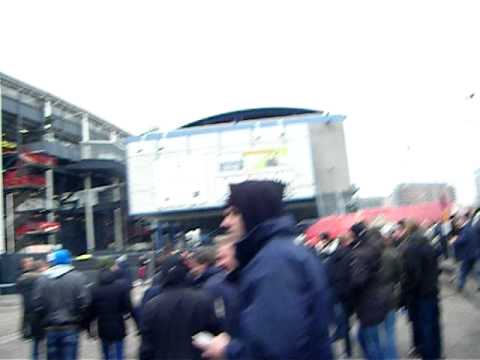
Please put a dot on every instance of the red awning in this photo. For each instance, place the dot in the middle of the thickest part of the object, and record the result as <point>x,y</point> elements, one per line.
<point>337,225</point>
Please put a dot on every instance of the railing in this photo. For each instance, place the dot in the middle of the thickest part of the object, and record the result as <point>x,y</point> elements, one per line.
<point>59,149</point>
<point>103,150</point>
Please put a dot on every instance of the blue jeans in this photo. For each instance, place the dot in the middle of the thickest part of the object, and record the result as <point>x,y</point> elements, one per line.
<point>62,344</point>
<point>342,327</point>
<point>389,336</point>
<point>112,350</point>
<point>465,268</point>
<point>429,328</point>
<point>369,339</point>
<point>36,344</point>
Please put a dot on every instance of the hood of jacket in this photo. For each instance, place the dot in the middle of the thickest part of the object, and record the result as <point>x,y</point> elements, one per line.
<point>259,236</point>
<point>58,271</point>
<point>257,201</point>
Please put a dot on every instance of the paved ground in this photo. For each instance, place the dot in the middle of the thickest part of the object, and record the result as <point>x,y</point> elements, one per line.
<point>460,318</point>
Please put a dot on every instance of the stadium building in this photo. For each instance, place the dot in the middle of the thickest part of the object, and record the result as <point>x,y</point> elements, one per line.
<point>179,179</point>
<point>63,174</point>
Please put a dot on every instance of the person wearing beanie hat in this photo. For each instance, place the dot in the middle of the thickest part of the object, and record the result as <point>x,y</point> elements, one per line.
<point>359,231</point>
<point>282,287</point>
<point>61,299</point>
<point>60,257</point>
<point>172,318</point>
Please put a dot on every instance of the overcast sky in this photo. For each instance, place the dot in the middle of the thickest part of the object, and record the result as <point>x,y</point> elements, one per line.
<point>400,71</point>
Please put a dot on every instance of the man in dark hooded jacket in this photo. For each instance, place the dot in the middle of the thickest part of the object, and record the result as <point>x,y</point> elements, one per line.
<point>282,287</point>
<point>175,315</point>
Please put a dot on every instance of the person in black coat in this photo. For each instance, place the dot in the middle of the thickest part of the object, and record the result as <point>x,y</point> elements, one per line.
<point>339,278</point>
<point>370,293</point>
<point>420,293</point>
<point>31,327</point>
<point>110,304</point>
<point>179,312</point>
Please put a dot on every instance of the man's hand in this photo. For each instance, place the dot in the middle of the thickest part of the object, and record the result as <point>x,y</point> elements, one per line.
<point>216,348</point>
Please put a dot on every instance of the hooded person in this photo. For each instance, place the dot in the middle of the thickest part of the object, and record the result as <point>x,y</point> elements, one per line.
<point>61,298</point>
<point>282,287</point>
<point>172,318</point>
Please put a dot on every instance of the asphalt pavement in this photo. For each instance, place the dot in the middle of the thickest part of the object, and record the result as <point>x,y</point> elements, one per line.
<point>460,319</point>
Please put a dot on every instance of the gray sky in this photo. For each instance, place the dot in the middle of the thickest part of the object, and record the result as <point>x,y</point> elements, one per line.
<point>400,71</point>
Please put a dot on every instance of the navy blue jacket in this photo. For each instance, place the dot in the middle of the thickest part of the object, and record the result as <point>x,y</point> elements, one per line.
<point>219,287</point>
<point>466,246</point>
<point>283,297</point>
<point>125,274</point>
<point>200,281</point>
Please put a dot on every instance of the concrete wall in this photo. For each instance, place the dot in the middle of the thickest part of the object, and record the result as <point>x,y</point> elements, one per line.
<point>330,164</point>
<point>329,157</point>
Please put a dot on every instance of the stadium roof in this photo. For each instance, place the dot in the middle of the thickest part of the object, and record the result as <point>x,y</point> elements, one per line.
<point>57,102</point>
<point>251,114</point>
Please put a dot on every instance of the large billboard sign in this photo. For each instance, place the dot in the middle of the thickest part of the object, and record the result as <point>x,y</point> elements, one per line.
<point>191,169</point>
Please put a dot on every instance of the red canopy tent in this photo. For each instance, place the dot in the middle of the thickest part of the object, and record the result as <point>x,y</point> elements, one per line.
<point>337,225</point>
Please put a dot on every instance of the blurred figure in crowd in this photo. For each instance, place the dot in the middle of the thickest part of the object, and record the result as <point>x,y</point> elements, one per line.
<point>179,312</point>
<point>370,294</point>
<point>443,231</point>
<point>202,265</point>
<point>391,276</point>
<point>400,235</point>
<point>467,250</point>
<point>283,287</point>
<point>31,327</point>
<point>142,269</point>
<point>110,303</point>
<point>156,285</point>
<point>122,270</point>
<point>338,257</point>
<point>420,293</point>
<point>223,290</point>
<point>61,299</point>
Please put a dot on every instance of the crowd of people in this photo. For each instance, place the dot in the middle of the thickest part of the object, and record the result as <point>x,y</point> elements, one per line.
<point>258,293</point>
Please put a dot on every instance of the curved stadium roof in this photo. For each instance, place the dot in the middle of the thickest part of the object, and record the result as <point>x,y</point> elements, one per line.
<point>250,114</point>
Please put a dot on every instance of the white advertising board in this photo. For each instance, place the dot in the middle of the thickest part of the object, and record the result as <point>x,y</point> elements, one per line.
<point>191,169</point>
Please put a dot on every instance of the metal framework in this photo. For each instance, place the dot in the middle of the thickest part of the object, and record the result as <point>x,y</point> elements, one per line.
<point>69,110</point>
